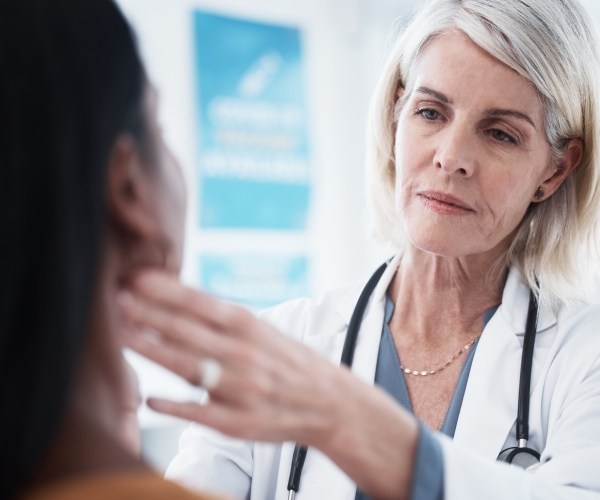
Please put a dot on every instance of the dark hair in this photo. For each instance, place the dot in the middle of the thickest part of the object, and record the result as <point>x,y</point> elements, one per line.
<point>71,82</point>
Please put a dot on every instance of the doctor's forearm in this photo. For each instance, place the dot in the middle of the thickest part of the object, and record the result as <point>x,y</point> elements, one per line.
<point>374,440</point>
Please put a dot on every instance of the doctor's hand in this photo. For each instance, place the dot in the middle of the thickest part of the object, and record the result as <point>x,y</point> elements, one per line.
<point>264,386</point>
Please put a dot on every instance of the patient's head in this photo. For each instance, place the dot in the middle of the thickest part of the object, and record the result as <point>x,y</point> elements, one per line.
<point>88,195</point>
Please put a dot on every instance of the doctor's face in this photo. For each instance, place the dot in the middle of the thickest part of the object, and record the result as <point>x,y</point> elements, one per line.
<point>470,150</point>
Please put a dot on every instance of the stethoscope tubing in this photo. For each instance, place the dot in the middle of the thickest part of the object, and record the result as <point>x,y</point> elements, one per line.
<point>526,368</point>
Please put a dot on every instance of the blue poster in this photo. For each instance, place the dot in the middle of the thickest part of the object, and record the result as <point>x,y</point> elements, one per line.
<point>257,280</point>
<point>254,152</point>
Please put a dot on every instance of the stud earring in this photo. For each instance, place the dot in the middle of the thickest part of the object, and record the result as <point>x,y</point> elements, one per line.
<point>539,194</point>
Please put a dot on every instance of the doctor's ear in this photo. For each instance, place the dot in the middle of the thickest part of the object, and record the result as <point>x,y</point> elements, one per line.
<point>558,174</point>
<point>134,225</point>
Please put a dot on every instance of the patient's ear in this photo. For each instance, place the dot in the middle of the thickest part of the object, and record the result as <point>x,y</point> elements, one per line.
<point>135,227</point>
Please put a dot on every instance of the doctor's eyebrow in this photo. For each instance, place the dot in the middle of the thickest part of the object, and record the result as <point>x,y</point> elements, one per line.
<point>434,93</point>
<point>498,113</point>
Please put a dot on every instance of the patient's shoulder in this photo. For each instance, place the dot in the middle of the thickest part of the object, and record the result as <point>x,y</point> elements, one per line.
<point>120,486</point>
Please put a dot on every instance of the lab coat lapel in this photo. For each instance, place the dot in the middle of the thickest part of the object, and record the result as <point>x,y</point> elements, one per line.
<point>321,478</point>
<point>490,403</point>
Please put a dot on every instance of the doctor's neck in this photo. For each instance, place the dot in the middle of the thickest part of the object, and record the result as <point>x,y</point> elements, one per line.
<point>430,288</point>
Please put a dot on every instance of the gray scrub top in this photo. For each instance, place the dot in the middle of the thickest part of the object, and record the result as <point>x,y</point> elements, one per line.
<point>428,478</point>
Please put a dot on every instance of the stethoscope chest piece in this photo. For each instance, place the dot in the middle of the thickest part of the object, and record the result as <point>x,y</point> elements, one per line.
<point>520,457</point>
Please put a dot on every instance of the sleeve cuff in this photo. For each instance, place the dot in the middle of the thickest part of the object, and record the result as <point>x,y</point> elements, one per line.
<point>428,476</point>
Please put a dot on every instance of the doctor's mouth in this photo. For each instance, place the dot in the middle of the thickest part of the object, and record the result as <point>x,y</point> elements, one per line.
<point>445,204</point>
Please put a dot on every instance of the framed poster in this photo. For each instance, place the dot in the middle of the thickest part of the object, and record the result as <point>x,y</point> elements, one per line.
<point>253,142</point>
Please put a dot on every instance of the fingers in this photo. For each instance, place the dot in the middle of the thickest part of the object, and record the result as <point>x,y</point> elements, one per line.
<point>168,292</point>
<point>233,422</point>
<point>182,343</point>
<point>180,329</point>
<point>241,377</point>
<point>212,415</point>
<point>175,360</point>
<point>267,380</point>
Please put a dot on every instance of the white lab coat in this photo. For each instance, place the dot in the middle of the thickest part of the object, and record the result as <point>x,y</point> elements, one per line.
<point>564,413</point>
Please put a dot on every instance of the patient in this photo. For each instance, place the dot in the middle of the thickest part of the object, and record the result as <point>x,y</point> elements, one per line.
<point>89,194</point>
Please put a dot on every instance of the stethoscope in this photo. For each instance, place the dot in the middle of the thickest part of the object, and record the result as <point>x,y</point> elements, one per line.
<point>520,455</point>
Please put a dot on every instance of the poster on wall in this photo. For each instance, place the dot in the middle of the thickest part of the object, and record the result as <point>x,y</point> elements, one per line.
<point>259,281</point>
<point>253,140</point>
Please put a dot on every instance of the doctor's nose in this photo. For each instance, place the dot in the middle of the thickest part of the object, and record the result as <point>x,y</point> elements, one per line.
<point>455,154</point>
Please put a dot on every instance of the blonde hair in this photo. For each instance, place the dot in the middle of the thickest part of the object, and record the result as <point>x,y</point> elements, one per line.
<point>550,43</point>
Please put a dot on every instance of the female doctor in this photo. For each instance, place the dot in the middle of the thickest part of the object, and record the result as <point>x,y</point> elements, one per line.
<point>484,153</point>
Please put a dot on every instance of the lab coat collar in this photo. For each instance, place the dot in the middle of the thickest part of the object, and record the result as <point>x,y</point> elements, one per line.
<point>515,303</point>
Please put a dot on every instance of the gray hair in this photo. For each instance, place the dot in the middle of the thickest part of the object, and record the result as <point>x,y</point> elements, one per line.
<point>550,43</point>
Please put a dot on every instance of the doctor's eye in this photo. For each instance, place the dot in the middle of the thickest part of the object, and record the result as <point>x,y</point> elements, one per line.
<point>502,136</point>
<point>429,114</point>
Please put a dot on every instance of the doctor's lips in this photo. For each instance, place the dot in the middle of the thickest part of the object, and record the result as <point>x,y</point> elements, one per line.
<point>444,203</point>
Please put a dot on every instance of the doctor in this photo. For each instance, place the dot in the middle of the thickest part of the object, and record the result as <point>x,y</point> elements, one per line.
<point>483,170</point>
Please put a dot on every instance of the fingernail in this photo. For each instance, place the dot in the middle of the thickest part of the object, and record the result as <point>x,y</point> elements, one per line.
<point>124,299</point>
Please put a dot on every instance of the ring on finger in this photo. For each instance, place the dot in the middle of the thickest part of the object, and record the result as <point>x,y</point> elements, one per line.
<point>209,373</point>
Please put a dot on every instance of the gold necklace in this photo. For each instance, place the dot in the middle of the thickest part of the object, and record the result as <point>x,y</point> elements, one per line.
<point>431,372</point>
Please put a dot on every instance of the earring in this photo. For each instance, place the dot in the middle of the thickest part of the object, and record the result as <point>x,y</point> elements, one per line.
<point>539,194</point>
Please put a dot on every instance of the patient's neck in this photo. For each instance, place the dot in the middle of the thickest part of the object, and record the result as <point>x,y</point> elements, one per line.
<point>87,440</point>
